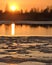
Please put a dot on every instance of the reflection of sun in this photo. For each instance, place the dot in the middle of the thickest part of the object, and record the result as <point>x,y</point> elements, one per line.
<point>13,29</point>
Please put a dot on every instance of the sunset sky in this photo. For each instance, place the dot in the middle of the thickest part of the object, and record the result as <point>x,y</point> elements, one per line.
<point>25,4</point>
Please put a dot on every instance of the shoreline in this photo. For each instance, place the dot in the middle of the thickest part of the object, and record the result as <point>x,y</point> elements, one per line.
<point>27,22</point>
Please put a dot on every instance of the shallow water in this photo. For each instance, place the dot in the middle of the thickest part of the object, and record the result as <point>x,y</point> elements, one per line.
<point>26,53</point>
<point>25,63</point>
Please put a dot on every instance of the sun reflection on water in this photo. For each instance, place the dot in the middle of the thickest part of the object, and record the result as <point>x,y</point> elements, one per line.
<point>13,28</point>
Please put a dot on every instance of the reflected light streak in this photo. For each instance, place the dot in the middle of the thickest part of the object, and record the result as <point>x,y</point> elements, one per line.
<point>13,28</point>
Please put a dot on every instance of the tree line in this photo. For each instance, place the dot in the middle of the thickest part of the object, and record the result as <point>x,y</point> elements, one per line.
<point>32,15</point>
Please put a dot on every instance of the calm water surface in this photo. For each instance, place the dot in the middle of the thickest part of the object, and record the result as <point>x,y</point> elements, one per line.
<point>26,30</point>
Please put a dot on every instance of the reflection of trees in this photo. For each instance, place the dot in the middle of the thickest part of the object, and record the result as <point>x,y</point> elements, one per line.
<point>33,14</point>
<point>7,29</point>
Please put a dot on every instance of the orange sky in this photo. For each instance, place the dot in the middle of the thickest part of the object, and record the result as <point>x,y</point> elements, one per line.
<point>26,4</point>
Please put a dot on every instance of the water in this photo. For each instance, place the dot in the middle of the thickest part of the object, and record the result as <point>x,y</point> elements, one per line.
<point>29,50</point>
<point>25,30</point>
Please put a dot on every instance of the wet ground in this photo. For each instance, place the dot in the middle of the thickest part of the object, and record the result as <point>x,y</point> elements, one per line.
<point>26,50</point>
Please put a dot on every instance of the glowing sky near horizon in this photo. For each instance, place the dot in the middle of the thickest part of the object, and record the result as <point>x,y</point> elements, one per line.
<point>26,4</point>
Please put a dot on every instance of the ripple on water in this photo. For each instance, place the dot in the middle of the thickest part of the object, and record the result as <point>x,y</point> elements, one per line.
<point>25,63</point>
<point>32,63</point>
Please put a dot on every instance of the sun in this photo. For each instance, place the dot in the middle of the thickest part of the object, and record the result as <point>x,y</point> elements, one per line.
<point>13,8</point>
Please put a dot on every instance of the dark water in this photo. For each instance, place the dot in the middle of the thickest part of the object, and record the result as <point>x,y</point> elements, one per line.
<point>26,30</point>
